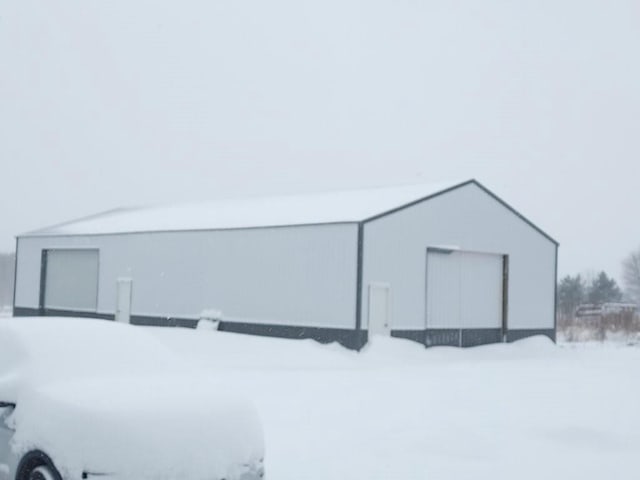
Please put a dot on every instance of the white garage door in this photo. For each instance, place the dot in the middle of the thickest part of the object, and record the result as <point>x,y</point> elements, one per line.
<point>464,289</point>
<point>71,280</point>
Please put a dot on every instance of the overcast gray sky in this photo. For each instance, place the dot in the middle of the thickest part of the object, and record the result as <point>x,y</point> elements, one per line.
<point>107,103</point>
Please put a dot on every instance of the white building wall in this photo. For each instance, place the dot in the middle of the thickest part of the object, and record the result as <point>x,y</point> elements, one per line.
<point>395,247</point>
<point>301,276</point>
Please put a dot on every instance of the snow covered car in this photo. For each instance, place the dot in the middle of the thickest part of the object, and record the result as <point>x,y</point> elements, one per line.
<point>84,398</point>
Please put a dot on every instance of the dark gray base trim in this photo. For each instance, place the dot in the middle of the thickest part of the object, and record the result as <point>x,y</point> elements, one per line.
<point>452,337</point>
<point>51,312</point>
<point>467,337</point>
<point>481,336</point>
<point>513,335</point>
<point>349,338</point>
<point>25,312</point>
<point>146,321</point>
<point>442,337</point>
<point>415,335</point>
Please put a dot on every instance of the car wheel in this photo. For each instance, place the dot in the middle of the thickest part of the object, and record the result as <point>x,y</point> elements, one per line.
<point>36,465</point>
<point>42,473</point>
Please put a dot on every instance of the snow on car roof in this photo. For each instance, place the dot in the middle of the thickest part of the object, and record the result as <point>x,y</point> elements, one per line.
<point>162,427</point>
<point>100,396</point>
<point>48,348</point>
<point>248,212</point>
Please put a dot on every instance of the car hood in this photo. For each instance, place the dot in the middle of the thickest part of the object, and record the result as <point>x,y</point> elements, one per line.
<point>162,426</point>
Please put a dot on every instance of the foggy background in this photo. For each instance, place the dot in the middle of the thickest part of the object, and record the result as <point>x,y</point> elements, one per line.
<point>113,103</point>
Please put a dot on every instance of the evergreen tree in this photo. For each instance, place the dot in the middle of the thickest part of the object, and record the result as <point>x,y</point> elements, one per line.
<point>603,289</point>
<point>571,293</point>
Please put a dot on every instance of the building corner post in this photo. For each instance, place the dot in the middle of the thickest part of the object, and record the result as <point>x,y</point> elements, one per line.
<point>555,298</point>
<point>15,279</point>
<point>359,335</point>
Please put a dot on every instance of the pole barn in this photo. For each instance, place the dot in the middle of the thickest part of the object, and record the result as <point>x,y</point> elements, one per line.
<point>447,264</point>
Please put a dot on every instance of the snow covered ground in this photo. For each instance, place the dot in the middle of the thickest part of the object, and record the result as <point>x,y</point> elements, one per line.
<point>398,411</point>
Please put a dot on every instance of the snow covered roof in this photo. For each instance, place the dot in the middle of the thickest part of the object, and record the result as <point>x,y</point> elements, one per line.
<point>248,212</point>
<point>343,206</point>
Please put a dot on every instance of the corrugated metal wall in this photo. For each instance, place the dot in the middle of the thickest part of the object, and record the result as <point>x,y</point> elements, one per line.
<point>72,279</point>
<point>395,250</point>
<point>301,276</point>
<point>464,290</point>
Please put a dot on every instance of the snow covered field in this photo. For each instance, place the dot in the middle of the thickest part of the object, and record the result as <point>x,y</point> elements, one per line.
<point>398,411</point>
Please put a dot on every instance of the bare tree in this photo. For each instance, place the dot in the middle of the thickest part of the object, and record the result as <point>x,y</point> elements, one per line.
<point>631,275</point>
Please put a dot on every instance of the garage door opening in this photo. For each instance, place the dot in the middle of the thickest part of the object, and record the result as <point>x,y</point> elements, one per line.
<point>69,280</point>
<point>466,291</point>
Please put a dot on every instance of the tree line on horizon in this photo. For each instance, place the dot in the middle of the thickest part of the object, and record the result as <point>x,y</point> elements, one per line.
<point>577,290</point>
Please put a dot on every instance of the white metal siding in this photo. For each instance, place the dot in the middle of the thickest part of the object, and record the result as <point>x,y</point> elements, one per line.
<point>480,290</point>
<point>302,276</point>
<point>72,280</point>
<point>443,290</point>
<point>464,290</point>
<point>395,252</point>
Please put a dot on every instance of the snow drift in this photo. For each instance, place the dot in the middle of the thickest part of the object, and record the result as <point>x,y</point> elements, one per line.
<point>108,398</point>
